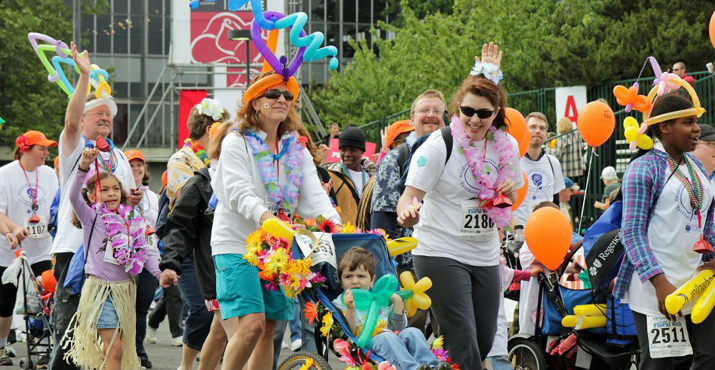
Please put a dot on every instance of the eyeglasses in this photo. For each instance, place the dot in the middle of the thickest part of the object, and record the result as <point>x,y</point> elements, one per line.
<point>427,111</point>
<point>101,114</point>
<point>481,113</point>
<point>275,94</point>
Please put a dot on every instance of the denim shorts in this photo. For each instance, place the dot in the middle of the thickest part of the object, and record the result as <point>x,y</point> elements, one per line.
<point>108,319</point>
<point>240,291</point>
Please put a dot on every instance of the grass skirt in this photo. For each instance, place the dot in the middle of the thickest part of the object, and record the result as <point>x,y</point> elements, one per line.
<point>81,341</point>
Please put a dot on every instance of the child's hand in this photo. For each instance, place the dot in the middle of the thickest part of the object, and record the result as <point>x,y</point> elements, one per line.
<point>349,300</point>
<point>397,304</point>
<point>535,269</point>
<point>88,156</point>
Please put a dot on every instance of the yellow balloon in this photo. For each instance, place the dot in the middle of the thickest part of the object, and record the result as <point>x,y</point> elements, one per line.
<point>590,310</point>
<point>630,122</point>
<point>278,229</point>
<point>704,305</point>
<point>589,322</point>
<point>399,246</point>
<point>422,301</point>
<point>644,142</point>
<point>690,290</point>
<point>631,133</point>
<point>569,321</point>
<point>418,300</point>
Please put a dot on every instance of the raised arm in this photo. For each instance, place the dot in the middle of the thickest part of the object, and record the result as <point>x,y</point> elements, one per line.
<point>83,211</point>
<point>72,132</point>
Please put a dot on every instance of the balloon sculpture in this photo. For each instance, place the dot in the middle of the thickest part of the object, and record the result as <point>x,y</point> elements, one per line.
<point>98,77</point>
<point>699,286</point>
<point>586,316</point>
<point>309,48</point>
<point>662,84</point>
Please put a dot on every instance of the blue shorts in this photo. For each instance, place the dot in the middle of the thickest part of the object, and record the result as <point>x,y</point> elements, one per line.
<point>240,291</point>
<point>108,319</point>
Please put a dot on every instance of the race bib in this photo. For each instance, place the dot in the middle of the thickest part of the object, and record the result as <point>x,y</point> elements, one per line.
<point>476,224</point>
<point>668,338</point>
<point>325,252</point>
<point>36,228</point>
<point>109,253</point>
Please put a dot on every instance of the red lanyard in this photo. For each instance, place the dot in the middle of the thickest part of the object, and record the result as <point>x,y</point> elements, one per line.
<point>278,165</point>
<point>33,194</point>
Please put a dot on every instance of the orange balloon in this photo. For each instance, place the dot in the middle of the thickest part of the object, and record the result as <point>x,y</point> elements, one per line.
<point>712,29</point>
<point>548,235</point>
<point>517,128</point>
<point>521,193</point>
<point>596,123</point>
<point>48,281</point>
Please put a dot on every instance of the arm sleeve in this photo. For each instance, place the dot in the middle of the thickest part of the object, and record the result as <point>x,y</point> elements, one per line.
<point>313,201</point>
<point>233,180</point>
<point>395,321</point>
<point>559,183</point>
<point>153,212</point>
<point>180,230</point>
<point>427,164</point>
<point>637,198</point>
<point>84,213</point>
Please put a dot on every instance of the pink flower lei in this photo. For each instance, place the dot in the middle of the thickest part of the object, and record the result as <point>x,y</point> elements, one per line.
<point>126,231</point>
<point>285,196</point>
<point>475,159</point>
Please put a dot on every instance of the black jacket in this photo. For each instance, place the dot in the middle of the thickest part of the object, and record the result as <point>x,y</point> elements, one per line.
<point>188,232</point>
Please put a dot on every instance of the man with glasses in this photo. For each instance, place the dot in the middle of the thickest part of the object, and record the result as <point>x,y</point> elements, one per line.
<point>705,149</point>
<point>85,123</point>
<point>543,171</point>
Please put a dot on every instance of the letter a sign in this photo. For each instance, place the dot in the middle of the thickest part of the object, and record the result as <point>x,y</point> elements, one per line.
<point>570,101</point>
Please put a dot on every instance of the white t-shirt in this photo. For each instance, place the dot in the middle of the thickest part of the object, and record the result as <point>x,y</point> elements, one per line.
<point>545,179</point>
<point>672,232</point>
<point>357,178</point>
<point>69,238</point>
<point>16,203</point>
<point>451,197</point>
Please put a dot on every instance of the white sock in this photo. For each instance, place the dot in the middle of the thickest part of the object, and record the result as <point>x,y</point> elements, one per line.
<point>3,342</point>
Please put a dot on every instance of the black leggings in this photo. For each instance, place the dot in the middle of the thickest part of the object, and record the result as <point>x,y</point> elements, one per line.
<point>8,292</point>
<point>465,301</point>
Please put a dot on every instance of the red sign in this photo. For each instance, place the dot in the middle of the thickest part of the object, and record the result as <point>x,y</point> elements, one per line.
<point>187,100</point>
<point>571,110</point>
<point>334,152</point>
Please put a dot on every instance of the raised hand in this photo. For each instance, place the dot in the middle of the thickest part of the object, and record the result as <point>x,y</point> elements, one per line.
<point>490,54</point>
<point>81,59</point>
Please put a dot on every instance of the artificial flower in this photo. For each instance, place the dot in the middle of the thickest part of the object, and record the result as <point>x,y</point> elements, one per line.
<point>348,228</point>
<point>384,365</point>
<point>210,107</point>
<point>439,342</point>
<point>327,324</point>
<point>343,350</point>
<point>629,98</point>
<point>327,226</point>
<point>311,312</point>
<point>198,150</point>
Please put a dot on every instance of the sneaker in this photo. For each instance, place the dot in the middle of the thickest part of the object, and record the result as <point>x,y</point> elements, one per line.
<point>5,358</point>
<point>42,363</point>
<point>177,341</point>
<point>145,363</point>
<point>295,345</point>
<point>284,345</point>
<point>151,335</point>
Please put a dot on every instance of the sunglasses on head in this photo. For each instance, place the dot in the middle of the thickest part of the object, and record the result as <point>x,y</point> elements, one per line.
<point>481,113</point>
<point>275,94</point>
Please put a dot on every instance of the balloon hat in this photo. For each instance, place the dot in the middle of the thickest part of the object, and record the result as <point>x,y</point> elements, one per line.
<point>664,83</point>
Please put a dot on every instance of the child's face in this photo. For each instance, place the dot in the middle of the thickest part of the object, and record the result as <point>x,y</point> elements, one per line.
<point>357,279</point>
<point>110,193</point>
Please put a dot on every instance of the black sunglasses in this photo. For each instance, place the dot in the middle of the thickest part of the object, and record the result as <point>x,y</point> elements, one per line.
<point>275,94</point>
<point>481,113</point>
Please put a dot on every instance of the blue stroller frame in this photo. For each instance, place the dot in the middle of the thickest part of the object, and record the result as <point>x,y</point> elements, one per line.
<point>377,246</point>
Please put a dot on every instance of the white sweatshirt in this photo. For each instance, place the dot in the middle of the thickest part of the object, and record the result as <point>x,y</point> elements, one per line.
<point>242,195</point>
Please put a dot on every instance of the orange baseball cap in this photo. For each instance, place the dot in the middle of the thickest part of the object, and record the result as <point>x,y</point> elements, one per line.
<point>134,154</point>
<point>398,128</point>
<point>33,137</point>
<point>163,179</point>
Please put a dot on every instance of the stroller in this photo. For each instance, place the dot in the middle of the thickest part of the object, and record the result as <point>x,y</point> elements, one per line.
<point>35,308</point>
<point>376,245</point>
<point>557,347</point>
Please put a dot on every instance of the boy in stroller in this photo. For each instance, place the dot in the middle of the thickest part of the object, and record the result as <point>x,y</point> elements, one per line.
<point>407,350</point>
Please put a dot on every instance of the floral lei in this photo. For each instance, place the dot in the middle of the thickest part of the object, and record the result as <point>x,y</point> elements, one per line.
<point>121,226</point>
<point>475,159</point>
<point>293,149</point>
<point>198,149</point>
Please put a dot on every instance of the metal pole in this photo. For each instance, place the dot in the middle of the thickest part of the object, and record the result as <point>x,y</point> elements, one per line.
<point>248,62</point>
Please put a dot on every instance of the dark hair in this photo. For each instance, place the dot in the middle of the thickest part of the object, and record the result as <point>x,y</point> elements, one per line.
<point>667,103</point>
<point>483,87</point>
<point>545,204</point>
<point>198,122</point>
<point>354,258</point>
<point>90,187</point>
<point>147,176</point>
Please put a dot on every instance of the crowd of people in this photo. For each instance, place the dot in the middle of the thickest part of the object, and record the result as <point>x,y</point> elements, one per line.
<point>447,181</point>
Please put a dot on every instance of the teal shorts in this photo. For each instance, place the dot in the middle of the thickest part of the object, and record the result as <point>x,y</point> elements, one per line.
<point>240,291</point>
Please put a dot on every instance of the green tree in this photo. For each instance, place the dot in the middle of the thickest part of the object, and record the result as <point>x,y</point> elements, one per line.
<point>546,43</point>
<point>27,99</point>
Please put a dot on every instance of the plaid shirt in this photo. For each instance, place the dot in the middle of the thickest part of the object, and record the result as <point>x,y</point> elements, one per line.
<point>569,151</point>
<point>643,181</point>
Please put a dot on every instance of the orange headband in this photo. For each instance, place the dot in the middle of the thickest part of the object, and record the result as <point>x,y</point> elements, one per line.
<point>261,86</point>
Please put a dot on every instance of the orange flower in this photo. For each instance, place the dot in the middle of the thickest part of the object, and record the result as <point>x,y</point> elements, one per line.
<point>267,276</point>
<point>309,222</point>
<point>629,98</point>
<point>311,312</point>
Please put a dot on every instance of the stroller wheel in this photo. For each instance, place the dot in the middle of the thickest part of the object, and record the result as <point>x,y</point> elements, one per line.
<point>299,359</point>
<point>26,365</point>
<point>526,355</point>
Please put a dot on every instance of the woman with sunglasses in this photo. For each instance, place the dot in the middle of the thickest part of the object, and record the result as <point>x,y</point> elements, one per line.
<point>264,171</point>
<point>467,196</point>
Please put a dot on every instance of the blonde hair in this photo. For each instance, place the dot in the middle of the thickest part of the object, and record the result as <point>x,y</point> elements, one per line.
<point>431,93</point>
<point>563,125</point>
